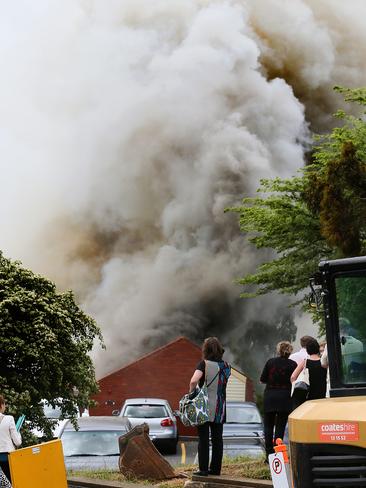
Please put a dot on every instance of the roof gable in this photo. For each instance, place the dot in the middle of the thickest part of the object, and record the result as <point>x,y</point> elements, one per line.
<point>169,345</point>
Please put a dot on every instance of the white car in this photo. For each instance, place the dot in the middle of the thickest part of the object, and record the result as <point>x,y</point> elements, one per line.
<point>55,413</point>
<point>159,416</point>
<point>243,431</point>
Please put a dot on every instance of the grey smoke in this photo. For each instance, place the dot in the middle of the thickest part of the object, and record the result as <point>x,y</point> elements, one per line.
<point>128,126</point>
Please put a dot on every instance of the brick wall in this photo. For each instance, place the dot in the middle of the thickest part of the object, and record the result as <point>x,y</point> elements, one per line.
<point>165,373</point>
<point>249,391</point>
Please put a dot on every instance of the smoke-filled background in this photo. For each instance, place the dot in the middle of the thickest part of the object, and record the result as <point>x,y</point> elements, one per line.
<point>128,126</point>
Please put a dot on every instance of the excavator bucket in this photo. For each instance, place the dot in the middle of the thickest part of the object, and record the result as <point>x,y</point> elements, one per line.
<point>140,459</point>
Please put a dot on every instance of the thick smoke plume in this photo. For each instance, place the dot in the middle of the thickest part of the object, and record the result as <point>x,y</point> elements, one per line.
<point>128,126</point>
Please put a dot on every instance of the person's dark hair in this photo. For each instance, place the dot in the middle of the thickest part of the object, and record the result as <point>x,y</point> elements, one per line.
<point>312,347</point>
<point>212,349</point>
<point>305,339</point>
<point>2,401</point>
<point>284,349</point>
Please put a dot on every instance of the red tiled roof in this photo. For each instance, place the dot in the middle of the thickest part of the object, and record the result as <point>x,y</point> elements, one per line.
<point>159,349</point>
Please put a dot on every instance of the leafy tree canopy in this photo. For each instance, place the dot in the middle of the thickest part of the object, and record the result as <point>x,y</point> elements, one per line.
<point>318,214</point>
<point>45,340</point>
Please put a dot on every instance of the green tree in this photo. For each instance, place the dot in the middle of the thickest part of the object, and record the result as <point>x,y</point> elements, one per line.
<point>318,214</point>
<point>45,343</point>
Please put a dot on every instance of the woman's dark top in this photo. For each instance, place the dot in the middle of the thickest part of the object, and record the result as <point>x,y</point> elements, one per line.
<point>317,379</point>
<point>277,394</point>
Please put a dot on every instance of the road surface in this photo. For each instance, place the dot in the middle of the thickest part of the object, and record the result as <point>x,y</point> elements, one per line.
<point>186,452</point>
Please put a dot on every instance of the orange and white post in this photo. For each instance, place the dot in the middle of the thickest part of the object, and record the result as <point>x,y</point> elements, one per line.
<point>279,465</point>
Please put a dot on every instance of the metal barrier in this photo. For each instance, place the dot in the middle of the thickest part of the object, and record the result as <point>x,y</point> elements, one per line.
<point>39,466</point>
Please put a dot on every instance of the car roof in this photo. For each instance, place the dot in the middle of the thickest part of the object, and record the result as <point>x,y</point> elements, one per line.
<point>241,404</point>
<point>152,401</point>
<point>100,423</point>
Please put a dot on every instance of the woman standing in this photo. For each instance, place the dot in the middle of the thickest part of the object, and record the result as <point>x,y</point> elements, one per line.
<point>9,437</point>
<point>215,372</point>
<point>317,373</point>
<point>277,394</point>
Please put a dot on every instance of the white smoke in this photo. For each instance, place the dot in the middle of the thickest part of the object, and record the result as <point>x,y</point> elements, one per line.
<point>128,126</point>
<point>314,45</point>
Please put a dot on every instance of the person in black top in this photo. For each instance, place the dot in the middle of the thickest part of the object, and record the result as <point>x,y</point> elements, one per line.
<point>317,374</point>
<point>216,373</point>
<point>277,402</point>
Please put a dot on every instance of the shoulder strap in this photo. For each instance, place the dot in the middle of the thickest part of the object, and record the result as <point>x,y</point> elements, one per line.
<point>216,375</point>
<point>1,417</point>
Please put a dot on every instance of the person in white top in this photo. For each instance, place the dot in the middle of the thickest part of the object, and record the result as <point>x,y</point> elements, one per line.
<point>9,438</point>
<point>325,363</point>
<point>300,355</point>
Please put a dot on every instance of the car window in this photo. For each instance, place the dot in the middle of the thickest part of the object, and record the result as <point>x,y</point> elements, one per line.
<point>351,293</point>
<point>242,415</point>
<point>93,443</point>
<point>146,411</point>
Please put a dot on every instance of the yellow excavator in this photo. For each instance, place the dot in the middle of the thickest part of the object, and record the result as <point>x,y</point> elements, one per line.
<point>328,436</point>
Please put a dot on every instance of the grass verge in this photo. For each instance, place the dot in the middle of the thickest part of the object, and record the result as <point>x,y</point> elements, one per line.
<point>239,467</point>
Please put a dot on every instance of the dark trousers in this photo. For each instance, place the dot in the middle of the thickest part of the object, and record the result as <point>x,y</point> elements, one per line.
<point>298,398</point>
<point>4,465</point>
<point>204,446</point>
<point>274,423</point>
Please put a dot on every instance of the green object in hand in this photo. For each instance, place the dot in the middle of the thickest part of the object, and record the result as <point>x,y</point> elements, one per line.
<point>20,422</point>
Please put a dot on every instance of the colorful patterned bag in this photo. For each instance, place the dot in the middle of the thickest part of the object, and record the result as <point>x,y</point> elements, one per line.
<point>194,411</point>
<point>4,482</point>
<point>193,407</point>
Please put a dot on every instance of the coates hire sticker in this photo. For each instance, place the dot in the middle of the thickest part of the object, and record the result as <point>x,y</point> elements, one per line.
<point>338,431</point>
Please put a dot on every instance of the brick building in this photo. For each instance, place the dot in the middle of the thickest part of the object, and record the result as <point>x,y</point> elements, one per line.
<point>163,373</point>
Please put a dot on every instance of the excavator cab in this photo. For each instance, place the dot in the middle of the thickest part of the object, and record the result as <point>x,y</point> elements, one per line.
<point>328,436</point>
